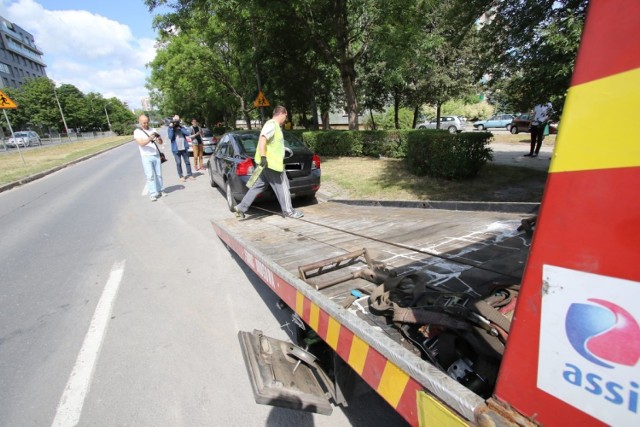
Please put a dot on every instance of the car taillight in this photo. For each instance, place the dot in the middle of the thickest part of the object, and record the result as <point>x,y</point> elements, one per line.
<point>244,168</point>
<point>315,162</point>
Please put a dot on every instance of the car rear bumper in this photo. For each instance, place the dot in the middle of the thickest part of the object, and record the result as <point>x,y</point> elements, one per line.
<point>299,187</point>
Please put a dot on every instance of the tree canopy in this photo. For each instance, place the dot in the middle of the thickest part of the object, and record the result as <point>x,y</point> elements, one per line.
<point>356,55</point>
<point>38,110</point>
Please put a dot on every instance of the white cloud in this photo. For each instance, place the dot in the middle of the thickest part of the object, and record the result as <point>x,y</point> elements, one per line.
<point>89,51</point>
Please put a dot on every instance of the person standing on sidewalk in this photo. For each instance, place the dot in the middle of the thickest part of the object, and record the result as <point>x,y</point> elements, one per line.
<point>178,137</point>
<point>197,145</point>
<point>270,155</point>
<point>541,114</point>
<point>150,154</point>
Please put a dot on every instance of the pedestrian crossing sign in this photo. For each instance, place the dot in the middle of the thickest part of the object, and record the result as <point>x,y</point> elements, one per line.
<point>261,100</point>
<point>6,102</point>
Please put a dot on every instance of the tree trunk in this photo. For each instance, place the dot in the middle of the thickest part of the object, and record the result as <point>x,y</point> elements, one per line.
<point>396,107</point>
<point>373,121</point>
<point>325,120</point>
<point>416,111</point>
<point>348,72</point>
<point>314,112</point>
<point>438,105</point>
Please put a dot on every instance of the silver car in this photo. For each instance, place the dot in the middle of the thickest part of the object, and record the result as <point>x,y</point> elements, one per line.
<point>452,124</point>
<point>24,139</point>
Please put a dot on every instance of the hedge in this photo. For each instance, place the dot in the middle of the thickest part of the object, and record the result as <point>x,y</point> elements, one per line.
<point>427,152</point>
<point>451,156</point>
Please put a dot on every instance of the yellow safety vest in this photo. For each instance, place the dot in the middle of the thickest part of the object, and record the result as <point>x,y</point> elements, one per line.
<point>274,150</point>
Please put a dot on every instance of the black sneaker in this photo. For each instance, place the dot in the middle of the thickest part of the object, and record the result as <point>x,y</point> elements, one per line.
<point>238,212</point>
<point>528,155</point>
<point>295,214</point>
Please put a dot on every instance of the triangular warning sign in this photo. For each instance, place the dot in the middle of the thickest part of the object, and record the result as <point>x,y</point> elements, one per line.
<point>6,102</point>
<point>261,101</point>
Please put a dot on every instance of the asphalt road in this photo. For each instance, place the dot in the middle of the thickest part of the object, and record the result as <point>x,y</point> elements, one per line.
<point>116,311</point>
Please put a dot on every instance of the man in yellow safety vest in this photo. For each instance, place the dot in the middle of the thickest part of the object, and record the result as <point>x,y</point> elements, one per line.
<point>270,155</point>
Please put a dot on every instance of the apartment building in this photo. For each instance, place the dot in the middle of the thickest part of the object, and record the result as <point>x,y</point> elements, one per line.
<point>20,58</point>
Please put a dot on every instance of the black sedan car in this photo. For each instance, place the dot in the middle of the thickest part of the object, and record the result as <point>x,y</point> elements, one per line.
<point>232,163</point>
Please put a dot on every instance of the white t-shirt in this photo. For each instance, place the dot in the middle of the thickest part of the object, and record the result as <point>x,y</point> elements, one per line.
<point>145,150</point>
<point>541,112</point>
<point>180,141</point>
<point>268,129</point>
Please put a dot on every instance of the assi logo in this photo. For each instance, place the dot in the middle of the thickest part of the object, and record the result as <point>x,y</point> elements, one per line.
<point>603,333</point>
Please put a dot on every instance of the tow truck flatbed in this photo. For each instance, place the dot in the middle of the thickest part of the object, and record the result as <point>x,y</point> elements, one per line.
<point>459,251</point>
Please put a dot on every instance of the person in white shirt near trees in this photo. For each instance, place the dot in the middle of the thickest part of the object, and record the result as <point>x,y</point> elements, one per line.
<point>541,115</point>
<point>147,140</point>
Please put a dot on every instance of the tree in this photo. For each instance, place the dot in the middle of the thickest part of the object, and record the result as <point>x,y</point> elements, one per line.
<point>529,49</point>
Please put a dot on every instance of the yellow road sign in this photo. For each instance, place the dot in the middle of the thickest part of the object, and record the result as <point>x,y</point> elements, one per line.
<point>261,101</point>
<point>6,102</point>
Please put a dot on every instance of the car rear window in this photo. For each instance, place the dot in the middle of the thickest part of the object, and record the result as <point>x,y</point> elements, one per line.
<point>20,134</point>
<point>207,133</point>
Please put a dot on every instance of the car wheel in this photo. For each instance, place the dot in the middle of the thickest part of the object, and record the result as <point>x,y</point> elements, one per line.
<point>480,127</point>
<point>211,180</point>
<point>230,200</point>
<point>452,129</point>
<point>514,129</point>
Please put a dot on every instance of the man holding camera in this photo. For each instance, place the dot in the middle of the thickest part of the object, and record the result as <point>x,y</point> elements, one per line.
<point>150,154</point>
<point>179,147</point>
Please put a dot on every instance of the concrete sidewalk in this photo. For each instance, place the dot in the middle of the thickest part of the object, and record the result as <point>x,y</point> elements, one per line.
<point>513,154</point>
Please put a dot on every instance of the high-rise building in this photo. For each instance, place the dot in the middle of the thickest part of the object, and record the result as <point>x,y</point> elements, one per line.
<point>146,104</point>
<point>20,58</point>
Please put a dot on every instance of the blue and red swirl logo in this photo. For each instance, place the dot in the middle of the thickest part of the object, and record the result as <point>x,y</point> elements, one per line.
<point>603,333</point>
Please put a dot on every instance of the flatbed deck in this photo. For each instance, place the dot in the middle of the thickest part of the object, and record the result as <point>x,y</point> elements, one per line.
<point>459,251</point>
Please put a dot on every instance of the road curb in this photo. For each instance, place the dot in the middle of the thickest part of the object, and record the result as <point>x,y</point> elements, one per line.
<point>42,174</point>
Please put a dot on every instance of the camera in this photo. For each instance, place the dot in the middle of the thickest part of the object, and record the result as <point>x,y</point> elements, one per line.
<point>175,123</point>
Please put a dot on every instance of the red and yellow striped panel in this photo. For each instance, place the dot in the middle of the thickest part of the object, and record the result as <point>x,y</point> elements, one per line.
<point>590,215</point>
<point>401,391</point>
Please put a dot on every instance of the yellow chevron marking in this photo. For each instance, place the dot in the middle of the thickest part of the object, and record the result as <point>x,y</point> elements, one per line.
<point>299,303</point>
<point>432,413</point>
<point>333,332</point>
<point>597,121</point>
<point>358,354</point>
<point>314,317</point>
<point>392,383</point>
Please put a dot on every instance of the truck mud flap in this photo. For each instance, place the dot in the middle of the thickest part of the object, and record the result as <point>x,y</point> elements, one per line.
<point>283,374</point>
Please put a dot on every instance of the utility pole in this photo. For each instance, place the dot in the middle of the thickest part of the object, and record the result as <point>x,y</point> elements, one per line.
<point>108,122</point>
<point>61,113</point>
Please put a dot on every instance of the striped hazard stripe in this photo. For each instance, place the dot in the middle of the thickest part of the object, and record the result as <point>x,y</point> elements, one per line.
<point>395,386</point>
<point>589,216</point>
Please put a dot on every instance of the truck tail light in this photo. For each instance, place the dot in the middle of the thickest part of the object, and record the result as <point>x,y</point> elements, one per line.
<point>315,162</point>
<point>244,168</point>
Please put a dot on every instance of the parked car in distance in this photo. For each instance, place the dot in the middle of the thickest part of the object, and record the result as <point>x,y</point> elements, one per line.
<point>522,123</point>
<point>502,121</point>
<point>24,139</point>
<point>208,141</point>
<point>232,163</point>
<point>452,124</point>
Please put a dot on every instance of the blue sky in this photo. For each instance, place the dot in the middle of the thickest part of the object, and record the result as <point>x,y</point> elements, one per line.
<point>96,45</point>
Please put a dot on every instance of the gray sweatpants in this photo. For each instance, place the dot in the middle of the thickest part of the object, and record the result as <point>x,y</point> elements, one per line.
<point>280,185</point>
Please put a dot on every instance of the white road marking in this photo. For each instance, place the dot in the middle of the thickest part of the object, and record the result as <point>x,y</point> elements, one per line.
<point>72,400</point>
<point>145,190</point>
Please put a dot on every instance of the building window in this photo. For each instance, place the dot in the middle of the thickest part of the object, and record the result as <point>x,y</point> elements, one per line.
<point>5,68</point>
